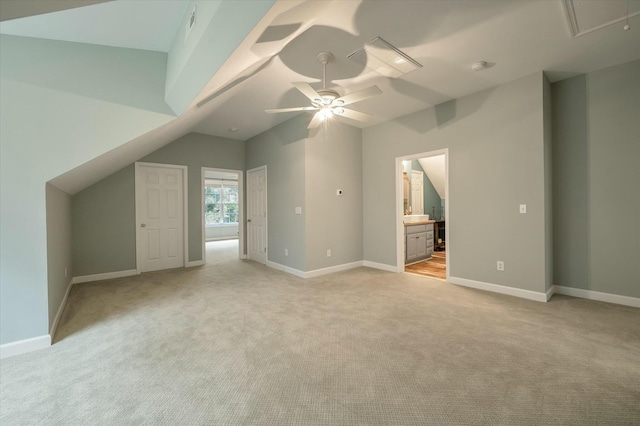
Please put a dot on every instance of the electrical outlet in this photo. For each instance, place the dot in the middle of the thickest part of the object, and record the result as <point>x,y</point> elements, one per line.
<point>500,265</point>
<point>286,252</point>
<point>298,210</point>
<point>523,208</point>
<point>328,252</point>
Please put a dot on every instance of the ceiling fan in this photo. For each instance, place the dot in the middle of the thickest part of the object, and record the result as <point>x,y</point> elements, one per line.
<point>328,102</point>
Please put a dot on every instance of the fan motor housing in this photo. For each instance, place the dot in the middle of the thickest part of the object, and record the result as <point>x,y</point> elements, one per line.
<point>327,95</point>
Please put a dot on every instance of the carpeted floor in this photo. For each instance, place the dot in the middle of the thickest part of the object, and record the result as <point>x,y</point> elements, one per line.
<point>237,343</point>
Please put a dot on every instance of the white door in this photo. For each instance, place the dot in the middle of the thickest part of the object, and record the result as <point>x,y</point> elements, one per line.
<point>257,214</point>
<point>159,217</point>
<point>417,194</point>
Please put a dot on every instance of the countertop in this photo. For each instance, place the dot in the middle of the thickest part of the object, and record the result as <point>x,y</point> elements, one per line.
<point>422,222</point>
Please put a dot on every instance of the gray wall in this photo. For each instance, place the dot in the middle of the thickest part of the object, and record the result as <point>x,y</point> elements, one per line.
<point>333,160</point>
<point>104,229</point>
<point>58,247</point>
<point>195,151</point>
<point>282,150</point>
<point>495,140</point>
<point>58,105</point>
<point>111,246</point>
<point>596,129</point>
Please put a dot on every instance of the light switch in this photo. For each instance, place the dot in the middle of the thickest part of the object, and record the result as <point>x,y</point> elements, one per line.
<point>523,208</point>
<point>298,210</point>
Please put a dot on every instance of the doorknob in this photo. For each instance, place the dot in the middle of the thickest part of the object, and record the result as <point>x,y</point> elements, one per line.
<point>142,225</point>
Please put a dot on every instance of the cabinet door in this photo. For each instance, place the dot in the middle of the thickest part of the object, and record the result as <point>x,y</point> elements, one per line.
<point>421,245</point>
<point>412,247</point>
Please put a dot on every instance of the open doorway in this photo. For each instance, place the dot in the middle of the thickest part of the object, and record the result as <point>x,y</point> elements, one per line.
<point>222,212</point>
<point>422,214</point>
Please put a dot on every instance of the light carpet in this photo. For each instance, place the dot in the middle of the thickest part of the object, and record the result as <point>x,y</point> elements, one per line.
<point>237,343</point>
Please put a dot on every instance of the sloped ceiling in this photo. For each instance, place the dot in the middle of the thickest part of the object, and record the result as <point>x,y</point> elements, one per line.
<point>14,9</point>
<point>434,167</point>
<point>516,38</point>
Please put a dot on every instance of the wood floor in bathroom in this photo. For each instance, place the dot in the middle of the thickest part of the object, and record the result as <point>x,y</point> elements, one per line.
<point>436,267</point>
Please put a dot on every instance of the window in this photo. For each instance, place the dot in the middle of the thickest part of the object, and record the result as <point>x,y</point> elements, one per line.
<point>220,202</point>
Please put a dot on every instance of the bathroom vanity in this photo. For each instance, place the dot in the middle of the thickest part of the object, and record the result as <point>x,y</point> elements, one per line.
<point>418,240</point>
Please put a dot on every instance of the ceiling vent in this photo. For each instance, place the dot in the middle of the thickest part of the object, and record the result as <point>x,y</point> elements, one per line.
<point>584,17</point>
<point>384,58</point>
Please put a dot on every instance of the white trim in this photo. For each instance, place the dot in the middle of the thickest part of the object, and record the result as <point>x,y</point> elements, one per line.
<point>496,288</point>
<point>266,212</point>
<point>597,295</point>
<point>240,224</point>
<point>105,276</point>
<point>381,266</point>
<point>400,237</point>
<point>56,320</point>
<point>549,293</point>
<point>194,263</point>
<point>574,27</point>
<point>315,272</point>
<point>185,208</point>
<point>24,346</point>
<point>331,269</point>
<point>286,269</point>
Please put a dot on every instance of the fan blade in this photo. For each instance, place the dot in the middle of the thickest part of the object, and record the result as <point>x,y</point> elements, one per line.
<point>354,115</point>
<point>315,121</point>
<point>307,90</point>
<point>291,109</point>
<point>358,96</point>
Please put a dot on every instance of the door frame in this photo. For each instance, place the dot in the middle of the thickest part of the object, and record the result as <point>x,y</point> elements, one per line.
<point>266,211</point>
<point>240,174</point>
<point>185,210</point>
<point>400,212</point>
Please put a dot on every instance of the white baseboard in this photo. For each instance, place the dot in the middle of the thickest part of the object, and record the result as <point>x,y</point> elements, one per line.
<point>382,266</point>
<point>195,263</point>
<point>496,288</point>
<point>332,269</point>
<point>315,272</point>
<point>105,276</point>
<point>597,295</point>
<point>286,269</point>
<point>24,346</point>
<point>549,293</point>
<point>56,320</point>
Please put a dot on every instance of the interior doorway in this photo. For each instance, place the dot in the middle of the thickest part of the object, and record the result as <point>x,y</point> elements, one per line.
<point>222,208</point>
<point>422,231</point>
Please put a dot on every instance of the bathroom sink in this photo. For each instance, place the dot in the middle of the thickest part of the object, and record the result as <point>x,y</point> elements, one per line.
<point>411,218</point>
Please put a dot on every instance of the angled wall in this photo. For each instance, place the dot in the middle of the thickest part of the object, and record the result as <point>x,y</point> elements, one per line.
<point>221,25</point>
<point>61,104</point>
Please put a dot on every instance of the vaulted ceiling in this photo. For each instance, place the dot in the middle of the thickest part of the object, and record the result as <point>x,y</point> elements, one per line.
<point>515,38</point>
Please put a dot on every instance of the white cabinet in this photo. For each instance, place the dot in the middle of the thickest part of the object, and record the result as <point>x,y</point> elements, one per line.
<point>418,242</point>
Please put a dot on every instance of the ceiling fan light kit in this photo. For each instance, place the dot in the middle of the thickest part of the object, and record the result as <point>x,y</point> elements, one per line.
<point>328,102</point>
